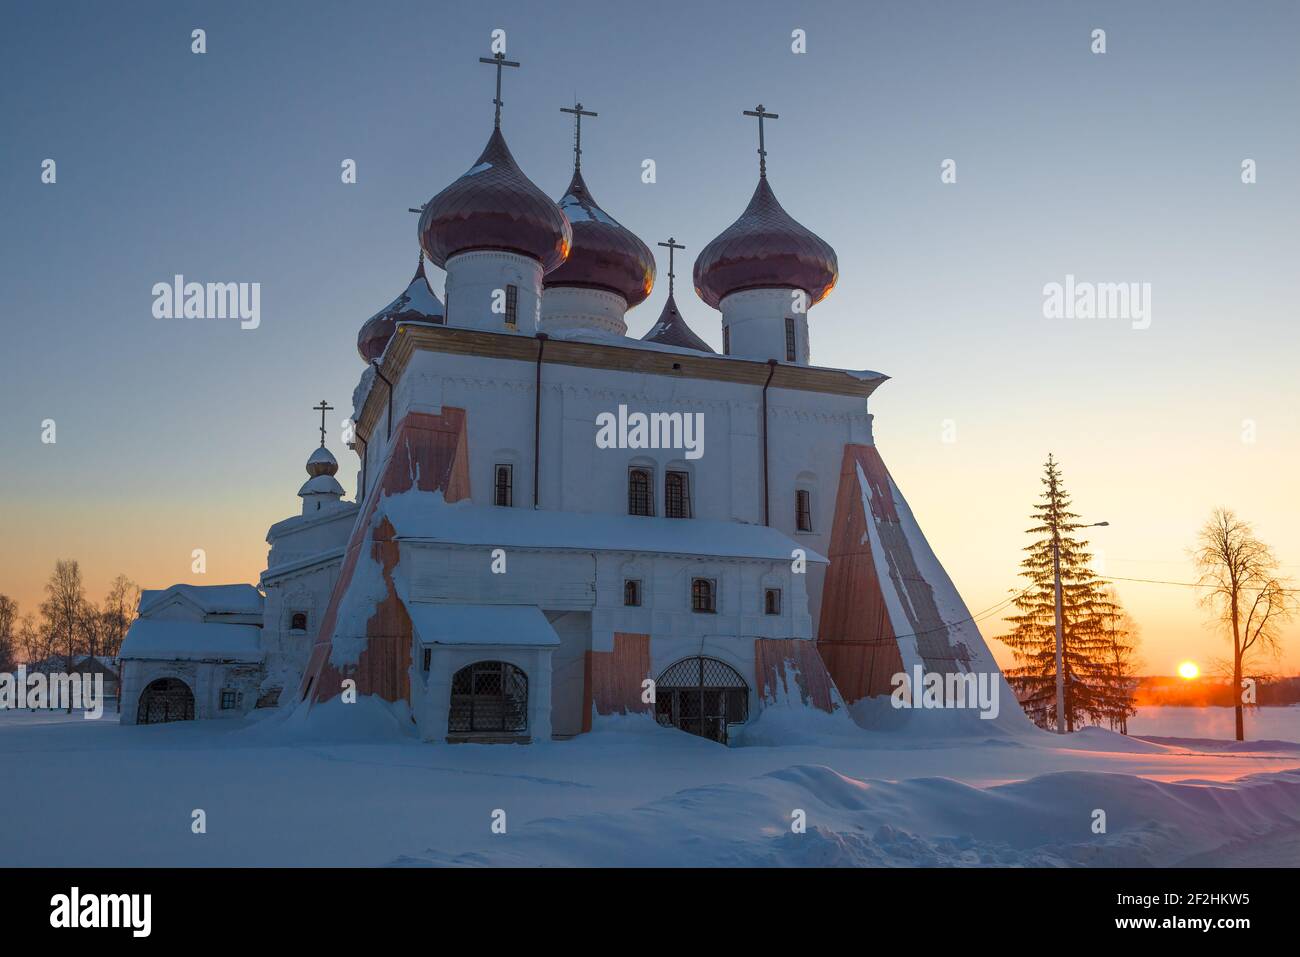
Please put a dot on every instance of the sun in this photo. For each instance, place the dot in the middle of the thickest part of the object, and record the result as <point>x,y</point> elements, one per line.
<point>1188,670</point>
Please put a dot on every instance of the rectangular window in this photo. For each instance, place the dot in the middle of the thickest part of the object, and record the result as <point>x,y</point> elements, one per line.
<point>677,494</point>
<point>428,658</point>
<point>640,492</point>
<point>803,510</point>
<point>703,600</point>
<point>512,305</point>
<point>772,601</point>
<point>504,485</point>
<point>726,340</point>
<point>229,698</point>
<point>632,592</point>
<point>789,340</point>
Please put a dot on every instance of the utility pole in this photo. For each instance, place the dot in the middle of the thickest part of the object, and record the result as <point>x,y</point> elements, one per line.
<point>1060,619</point>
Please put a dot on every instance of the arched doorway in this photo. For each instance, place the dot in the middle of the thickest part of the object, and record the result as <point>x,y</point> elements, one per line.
<point>701,696</point>
<point>165,699</point>
<point>489,697</point>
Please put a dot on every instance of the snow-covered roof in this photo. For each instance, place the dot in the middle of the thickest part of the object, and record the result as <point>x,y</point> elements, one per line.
<point>481,624</point>
<point>425,516</point>
<point>213,599</point>
<point>191,641</point>
<point>321,485</point>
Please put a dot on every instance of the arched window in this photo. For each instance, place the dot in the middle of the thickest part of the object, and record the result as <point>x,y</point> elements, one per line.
<point>803,510</point>
<point>488,696</point>
<point>677,494</point>
<point>631,592</point>
<point>298,622</point>
<point>640,492</point>
<point>772,601</point>
<point>702,597</point>
<point>503,481</point>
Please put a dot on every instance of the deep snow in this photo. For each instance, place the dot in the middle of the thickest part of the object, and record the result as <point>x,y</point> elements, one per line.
<point>281,790</point>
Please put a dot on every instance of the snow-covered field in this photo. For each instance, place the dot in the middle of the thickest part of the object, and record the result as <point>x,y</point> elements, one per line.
<point>93,793</point>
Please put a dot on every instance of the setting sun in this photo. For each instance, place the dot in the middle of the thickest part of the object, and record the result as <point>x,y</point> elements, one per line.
<point>1188,670</point>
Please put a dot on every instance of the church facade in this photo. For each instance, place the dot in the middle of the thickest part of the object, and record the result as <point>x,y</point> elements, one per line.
<point>556,522</point>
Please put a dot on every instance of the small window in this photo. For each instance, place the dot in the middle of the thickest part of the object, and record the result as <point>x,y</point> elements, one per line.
<point>229,699</point>
<point>803,510</point>
<point>632,592</point>
<point>640,495</point>
<point>772,601</point>
<point>428,658</point>
<point>677,494</point>
<point>702,597</point>
<point>512,305</point>
<point>298,622</point>
<point>504,485</point>
<point>789,340</point>
<point>726,340</point>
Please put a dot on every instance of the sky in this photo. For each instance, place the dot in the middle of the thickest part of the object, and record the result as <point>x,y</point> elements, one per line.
<point>1122,166</point>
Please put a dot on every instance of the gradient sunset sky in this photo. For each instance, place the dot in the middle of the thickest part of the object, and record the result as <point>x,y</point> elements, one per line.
<point>1122,167</point>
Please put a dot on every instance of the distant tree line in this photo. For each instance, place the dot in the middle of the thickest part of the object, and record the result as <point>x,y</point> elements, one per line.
<point>67,625</point>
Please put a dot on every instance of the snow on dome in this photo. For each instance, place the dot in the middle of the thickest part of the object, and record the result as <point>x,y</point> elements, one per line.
<point>671,330</point>
<point>605,254</point>
<point>493,205</point>
<point>321,485</point>
<point>416,304</point>
<point>322,462</point>
<point>765,248</point>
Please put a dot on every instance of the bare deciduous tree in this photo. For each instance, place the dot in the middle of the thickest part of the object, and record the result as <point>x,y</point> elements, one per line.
<point>1243,590</point>
<point>63,608</point>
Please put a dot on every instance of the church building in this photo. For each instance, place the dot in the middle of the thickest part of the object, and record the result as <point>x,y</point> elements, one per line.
<point>556,521</point>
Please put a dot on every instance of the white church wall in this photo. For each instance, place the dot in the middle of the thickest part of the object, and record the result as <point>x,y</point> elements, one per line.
<point>807,434</point>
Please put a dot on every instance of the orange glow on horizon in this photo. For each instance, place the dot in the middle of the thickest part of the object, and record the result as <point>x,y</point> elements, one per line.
<point>1189,670</point>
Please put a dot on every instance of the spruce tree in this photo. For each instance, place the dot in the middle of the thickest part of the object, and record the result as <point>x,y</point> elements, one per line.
<point>1097,688</point>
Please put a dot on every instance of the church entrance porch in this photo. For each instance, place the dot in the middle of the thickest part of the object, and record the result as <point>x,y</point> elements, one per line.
<point>701,696</point>
<point>165,699</point>
<point>489,702</point>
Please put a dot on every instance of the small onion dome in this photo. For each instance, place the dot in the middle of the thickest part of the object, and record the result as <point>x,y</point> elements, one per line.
<point>493,205</point>
<point>605,254</point>
<point>416,304</point>
<point>765,248</point>
<point>671,330</point>
<point>322,462</point>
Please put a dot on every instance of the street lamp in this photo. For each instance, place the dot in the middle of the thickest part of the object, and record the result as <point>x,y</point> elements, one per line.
<point>1060,624</point>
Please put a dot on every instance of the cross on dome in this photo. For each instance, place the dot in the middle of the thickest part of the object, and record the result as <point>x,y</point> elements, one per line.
<point>671,246</point>
<point>498,60</point>
<point>322,408</point>
<point>578,113</point>
<point>762,152</point>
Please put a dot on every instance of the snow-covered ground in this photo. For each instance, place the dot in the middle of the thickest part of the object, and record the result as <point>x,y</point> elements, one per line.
<point>93,793</point>
<point>1279,724</point>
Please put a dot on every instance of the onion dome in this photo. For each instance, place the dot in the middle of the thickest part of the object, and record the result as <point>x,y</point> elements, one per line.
<point>671,330</point>
<point>493,205</point>
<point>765,248</point>
<point>416,304</point>
<point>605,254</point>
<point>321,466</point>
<point>322,462</point>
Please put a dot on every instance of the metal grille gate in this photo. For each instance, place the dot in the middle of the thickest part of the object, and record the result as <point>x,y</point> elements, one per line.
<point>489,696</point>
<point>166,699</point>
<point>701,696</point>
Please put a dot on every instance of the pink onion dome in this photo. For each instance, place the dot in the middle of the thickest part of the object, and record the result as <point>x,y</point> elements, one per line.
<point>765,248</point>
<point>493,205</point>
<point>605,253</point>
<point>671,330</point>
<point>416,304</point>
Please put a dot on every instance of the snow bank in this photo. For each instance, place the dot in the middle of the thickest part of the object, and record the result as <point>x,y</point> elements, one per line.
<point>370,719</point>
